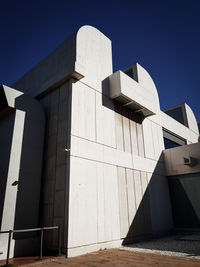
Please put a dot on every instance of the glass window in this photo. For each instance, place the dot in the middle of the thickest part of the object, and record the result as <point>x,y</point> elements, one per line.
<point>169,144</point>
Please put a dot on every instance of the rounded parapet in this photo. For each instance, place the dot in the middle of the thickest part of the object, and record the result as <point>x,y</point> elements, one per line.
<point>86,55</point>
<point>145,80</point>
<point>94,54</point>
<point>192,122</point>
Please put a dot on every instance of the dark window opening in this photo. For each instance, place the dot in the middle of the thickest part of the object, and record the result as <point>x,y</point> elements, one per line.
<point>129,72</point>
<point>170,144</point>
<point>171,140</point>
<point>179,114</point>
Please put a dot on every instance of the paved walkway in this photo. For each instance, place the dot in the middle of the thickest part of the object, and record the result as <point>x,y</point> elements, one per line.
<point>115,258</point>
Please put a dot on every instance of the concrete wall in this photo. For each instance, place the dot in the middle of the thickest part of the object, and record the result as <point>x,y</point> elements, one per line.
<point>111,186</point>
<point>6,130</point>
<point>21,138</point>
<point>106,133</point>
<point>174,159</point>
<point>57,106</point>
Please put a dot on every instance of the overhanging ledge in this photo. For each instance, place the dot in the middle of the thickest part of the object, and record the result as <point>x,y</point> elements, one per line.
<point>131,94</point>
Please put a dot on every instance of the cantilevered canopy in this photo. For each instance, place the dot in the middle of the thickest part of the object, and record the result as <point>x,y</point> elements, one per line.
<point>135,89</point>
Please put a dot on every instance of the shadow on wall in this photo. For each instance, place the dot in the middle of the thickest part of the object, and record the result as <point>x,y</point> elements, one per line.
<point>145,202</point>
<point>184,191</point>
<point>141,227</point>
<point>6,134</point>
<point>28,195</point>
<point>152,210</point>
<point>148,205</point>
<point>56,166</point>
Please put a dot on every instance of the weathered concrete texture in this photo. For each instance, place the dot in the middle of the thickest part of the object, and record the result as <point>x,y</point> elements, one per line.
<point>83,112</point>
<point>93,203</point>
<point>57,106</point>
<point>123,86</point>
<point>109,186</point>
<point>174,160</point>
<point>94,54</point>
<point>135,218</point>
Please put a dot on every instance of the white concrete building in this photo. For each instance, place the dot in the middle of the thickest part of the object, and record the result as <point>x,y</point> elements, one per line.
<point>104,179</point>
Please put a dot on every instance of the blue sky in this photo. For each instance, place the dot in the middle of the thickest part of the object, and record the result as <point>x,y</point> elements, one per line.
<point>163,36</point>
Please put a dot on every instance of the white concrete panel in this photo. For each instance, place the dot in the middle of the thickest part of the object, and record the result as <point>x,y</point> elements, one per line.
<point>93,203</point>
<point>90,150</point>
<point>111,202</point>
<point>108,227</point>
<point>105,121</point>
<point>147,82</point>
<point>131,195</point>
<point>82,203</point>
<point>192,122</point>
<point>148,139</point>
<point>140,140</point>
<point>160,137</point>
<point>143,164</point>
<point>134,139</point>
<point>144,182</point>
<point>157,140</point>
<point>156,118</point>
<point>83,111</point>
<point>123,205</point>
<point>119,131</point>
<point>100,203</point>
<point>8,215</point>
<point>85,149</point>
<point>93,52</point>
<point>138,188</point>
<point>127,137</point>
<point>123,159</point>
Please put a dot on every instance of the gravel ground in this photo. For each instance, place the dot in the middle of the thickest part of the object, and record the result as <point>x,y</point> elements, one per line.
<point>171,246</point>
